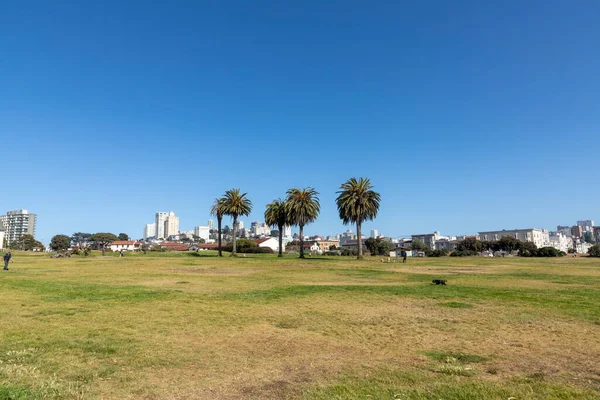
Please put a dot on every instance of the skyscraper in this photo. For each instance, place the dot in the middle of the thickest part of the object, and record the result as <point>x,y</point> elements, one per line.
<point>374,233</point>
<point>18,223</point>
<point>211,224</point>
<point>161,217</point>
<point>149,230</point>
<point>171,225</point>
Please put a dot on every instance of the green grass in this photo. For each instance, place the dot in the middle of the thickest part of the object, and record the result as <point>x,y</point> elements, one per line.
<point>195,326</point>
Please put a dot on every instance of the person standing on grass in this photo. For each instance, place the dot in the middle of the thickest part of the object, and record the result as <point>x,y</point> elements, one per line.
<point>404,257</point>
<point>7,258</point>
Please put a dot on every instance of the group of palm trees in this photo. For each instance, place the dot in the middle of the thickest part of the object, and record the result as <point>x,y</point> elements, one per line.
<point>356,203</point>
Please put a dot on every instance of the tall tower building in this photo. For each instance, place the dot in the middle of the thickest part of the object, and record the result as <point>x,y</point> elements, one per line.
<point>18,223</point>
<point>149,231</point>
<point>171,225</point>
<point>287,231</point>
<point>211,224</point>
<point>161,217</point>
<point>374,233</point>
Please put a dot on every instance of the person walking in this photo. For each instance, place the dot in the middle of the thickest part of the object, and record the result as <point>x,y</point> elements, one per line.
<point>404,257</point>
<point>7,258</point>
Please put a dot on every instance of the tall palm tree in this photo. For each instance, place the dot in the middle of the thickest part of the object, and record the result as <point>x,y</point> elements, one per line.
<point>303,208</point>
<point>357,203</point>
<point>234,205</point>
<point>217,210</point>
<point>276,216</point>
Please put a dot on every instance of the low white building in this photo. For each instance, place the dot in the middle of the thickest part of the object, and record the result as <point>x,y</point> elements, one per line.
<point>271,243</point>
<point>560,241</point>
<point>125,245</point>
<point>539,237</point>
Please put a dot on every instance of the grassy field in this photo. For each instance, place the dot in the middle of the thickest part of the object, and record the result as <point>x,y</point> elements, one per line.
<point>193,326</point>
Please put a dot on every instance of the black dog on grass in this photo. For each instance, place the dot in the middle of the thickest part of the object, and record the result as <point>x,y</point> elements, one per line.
<point>439,282</point>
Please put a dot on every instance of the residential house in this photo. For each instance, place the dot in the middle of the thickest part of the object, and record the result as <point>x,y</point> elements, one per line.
<point>352,244</point>
<point>125,245</point>
<point>539,237</point>
<point>560,241</point>
<point>175,246</point>
<point>399,252</point>
<point>446,244</point>
<point>204,246</point>
<point>429,239</point>
<point>269,242</point>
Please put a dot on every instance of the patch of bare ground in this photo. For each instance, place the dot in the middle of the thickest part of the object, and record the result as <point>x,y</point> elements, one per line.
<point>216,271</point>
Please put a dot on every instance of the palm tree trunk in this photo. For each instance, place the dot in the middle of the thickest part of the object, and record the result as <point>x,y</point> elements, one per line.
<point>358,234</point>
<point>219,221</point>
<point>280,241</point>
<point>233,253</point>
<point>301,241</point>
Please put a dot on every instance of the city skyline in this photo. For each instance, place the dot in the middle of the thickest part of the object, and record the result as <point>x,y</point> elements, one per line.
<point>465,116</point>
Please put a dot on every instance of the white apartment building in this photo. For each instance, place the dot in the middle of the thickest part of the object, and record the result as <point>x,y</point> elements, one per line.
<point>18,223</point>
<point>430,239</point>
<point>560,241</point>
<point>211,224</point>
<point>149,231</point>
<point>203,232</point>
<point>374,233</point>
<point>539,237</point>
<point>2,235</point>
<point>171,225</point>
<point>260,229</point>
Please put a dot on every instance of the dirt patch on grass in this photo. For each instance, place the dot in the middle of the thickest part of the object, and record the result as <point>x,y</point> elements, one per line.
<point>215,271</point>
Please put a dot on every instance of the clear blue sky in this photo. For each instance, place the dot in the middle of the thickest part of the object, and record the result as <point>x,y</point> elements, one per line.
<point>466,115</point>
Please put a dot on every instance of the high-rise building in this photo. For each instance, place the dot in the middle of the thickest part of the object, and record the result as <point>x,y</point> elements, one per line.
<point>374,233</point>
<point>171,225</point>
<point>149,231</point>
<point>240,225</point>
<point>577,231</point>
<point>287,231</point>
<point>211,224</point>
<point>587,222</point>
<point>161,217</point>
<point>18,223</point>
<point>2,233</point>
<point>203,232</point>
<point>586,225</point>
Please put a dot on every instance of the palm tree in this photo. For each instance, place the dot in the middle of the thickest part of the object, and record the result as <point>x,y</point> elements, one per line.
<point>303,208</point>
<point>217,210</point>
<point>357,203</point>
<point>234,205</point>
<point>276,215</point>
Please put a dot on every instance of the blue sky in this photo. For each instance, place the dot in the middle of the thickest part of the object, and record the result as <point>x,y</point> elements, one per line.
<point>466,116</point>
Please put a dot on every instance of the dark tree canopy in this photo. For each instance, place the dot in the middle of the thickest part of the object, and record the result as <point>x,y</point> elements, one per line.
<point>418,245</point>
<point>123,236</point>
<point>80,238</point>
<point>60,242</point>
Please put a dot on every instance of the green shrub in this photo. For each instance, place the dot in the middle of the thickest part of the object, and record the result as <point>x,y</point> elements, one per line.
<point>547,252</point>
<point>594,251</point>
<point>258,250</point>
<point>437,253</point>
<point>157,248</point>
<point>463,253</point>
